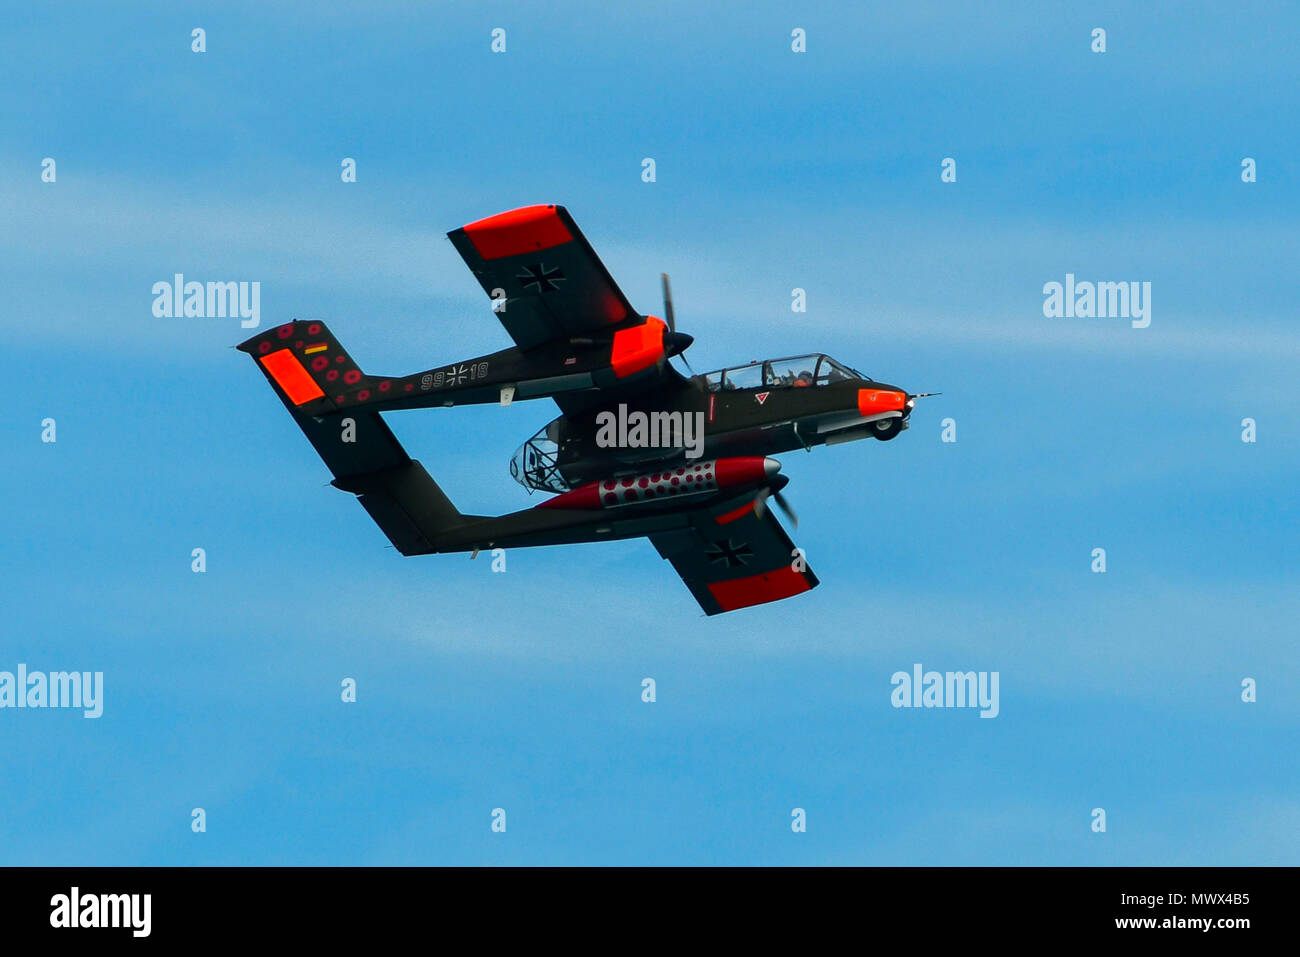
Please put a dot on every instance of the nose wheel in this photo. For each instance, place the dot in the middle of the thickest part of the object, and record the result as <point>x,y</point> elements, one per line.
<point>886,429</point>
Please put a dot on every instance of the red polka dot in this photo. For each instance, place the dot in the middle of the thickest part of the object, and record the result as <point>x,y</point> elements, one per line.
<point>331,375</point>
<point>341,358</point>
<point>644,482</point>
<point>385,386</point>
<point>627,483</point>
<point>611,499</point>
<point>410,386</point>
<point>609,485</point>
<point>298,344</point>
<point>313,329</point>
<point>285,331</point>
<point>676,480</point>
<point>338,398</point>
<point>352,376</point>
<point>363,395</point>
<point>264,347</point>
<point>320,362</point>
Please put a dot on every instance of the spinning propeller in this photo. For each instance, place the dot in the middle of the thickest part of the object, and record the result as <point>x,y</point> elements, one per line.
<point>677,342</point>
<point>782,503</point>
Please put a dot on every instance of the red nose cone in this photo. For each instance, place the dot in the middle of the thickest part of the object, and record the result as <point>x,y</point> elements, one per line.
<point>742,470</point>
<point>875,401</point>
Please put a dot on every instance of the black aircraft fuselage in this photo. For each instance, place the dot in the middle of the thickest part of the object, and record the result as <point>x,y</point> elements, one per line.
<point>726,418</point>
<point>639,449</point>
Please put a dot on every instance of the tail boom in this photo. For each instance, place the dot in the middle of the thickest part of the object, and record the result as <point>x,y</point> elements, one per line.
<point>300,359</point>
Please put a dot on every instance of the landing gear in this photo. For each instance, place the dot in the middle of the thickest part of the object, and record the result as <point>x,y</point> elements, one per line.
<point>886,429</point>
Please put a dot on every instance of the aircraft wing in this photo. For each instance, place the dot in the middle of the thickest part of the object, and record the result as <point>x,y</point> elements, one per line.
<point>734,558</point>
<point>551,284</point>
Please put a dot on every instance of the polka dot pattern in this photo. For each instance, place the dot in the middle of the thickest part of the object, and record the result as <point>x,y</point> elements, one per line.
<point>687,480</point>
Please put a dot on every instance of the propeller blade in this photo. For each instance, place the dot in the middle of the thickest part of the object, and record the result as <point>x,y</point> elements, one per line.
<point>671,318</point>
<point>784,505</point>
<point>668,302</point>
<point>760,505</point>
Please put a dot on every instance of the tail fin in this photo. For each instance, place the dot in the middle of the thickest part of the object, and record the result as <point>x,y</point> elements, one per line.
<point>301,360</point>
<point>308,367</point>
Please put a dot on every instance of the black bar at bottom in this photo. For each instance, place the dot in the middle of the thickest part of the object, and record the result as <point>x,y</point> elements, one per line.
<point>336,905</point>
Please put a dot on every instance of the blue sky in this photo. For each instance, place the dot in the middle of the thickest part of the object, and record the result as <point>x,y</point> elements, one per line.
<point>774,170</point>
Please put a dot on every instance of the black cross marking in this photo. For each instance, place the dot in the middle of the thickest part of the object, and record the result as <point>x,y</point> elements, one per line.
<point>733,555</point>
<point>546,280</point>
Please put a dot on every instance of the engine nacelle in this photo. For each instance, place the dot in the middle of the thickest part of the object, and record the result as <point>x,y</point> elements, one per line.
<point>692,479</point>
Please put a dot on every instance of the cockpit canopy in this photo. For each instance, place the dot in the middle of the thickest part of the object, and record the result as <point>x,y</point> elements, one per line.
<point>794,371</point>
<point>535,464</point>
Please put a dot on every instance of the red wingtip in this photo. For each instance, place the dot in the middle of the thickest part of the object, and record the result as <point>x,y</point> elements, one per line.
<point>518,231</point>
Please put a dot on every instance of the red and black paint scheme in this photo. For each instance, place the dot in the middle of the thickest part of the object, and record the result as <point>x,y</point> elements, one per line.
<point>578,341</point>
